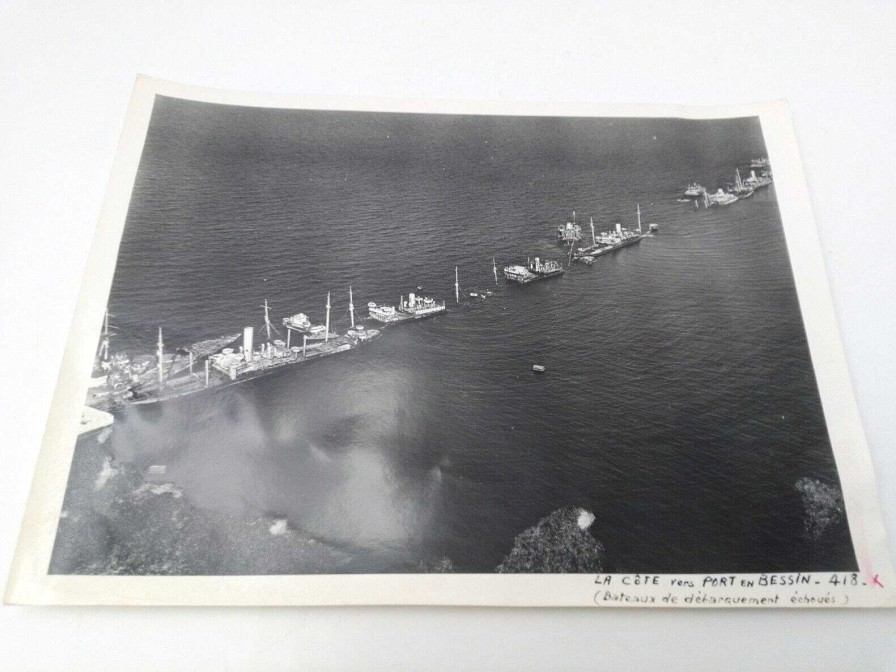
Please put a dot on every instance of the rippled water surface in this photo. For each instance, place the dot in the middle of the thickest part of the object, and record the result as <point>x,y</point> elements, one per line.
<point>679,403</point>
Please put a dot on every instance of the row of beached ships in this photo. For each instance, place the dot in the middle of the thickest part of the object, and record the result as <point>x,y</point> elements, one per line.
<point>740,189</point>
<point>120,381</point>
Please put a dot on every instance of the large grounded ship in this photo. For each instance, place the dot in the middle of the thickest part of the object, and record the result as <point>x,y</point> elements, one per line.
<point>609,241</point>
<point>533,270</point>
<point>415,308</point>
<point>148,379</point>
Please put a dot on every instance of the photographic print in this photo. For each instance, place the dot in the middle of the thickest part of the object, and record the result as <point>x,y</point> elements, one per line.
<point>437,347</point>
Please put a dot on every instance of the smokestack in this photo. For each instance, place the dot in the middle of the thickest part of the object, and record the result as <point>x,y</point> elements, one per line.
<point>619,228</point>
<point>247,343</point>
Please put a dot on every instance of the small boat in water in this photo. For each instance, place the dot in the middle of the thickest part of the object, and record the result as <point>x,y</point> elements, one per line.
<point>538,368</point>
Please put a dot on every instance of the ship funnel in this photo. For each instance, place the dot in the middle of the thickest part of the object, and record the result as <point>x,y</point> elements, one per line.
<point>411,298</point>
<point>247,343</point>
<point>619,228</point>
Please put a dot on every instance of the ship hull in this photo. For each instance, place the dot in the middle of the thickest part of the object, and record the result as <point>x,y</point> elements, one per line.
<point>535,277</point>
<point>407,317</point>
<point>591,252</point>
<point>219,378</point>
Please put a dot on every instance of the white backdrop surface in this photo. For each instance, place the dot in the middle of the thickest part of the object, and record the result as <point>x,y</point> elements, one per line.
<point>66,72</point>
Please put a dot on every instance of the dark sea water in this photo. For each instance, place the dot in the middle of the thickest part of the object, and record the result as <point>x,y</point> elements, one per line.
<point>679,403</point>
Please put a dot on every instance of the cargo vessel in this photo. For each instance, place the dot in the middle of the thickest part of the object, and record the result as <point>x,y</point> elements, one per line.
<point>415,308</point>
<point>208,364</point>
<point>533,270</point>
<point>612,240</point>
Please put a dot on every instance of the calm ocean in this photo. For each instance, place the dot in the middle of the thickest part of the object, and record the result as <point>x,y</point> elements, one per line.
<point>679,403</point>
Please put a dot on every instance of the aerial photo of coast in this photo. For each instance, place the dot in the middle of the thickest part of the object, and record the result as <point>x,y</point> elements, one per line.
<point>366,342</point>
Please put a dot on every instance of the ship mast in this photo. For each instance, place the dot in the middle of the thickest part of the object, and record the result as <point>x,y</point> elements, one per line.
<point>456,287</point>
<point>638,208</point>
<point>161,354</point>
<point>267,319</point>
<point>495,269</point>
<point>593,239</point>
<point>351,306</point>
<point>327,327</point>
<point>104,345</point>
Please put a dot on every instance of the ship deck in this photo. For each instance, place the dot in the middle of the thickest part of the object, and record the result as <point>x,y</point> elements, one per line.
<point>233,370</point>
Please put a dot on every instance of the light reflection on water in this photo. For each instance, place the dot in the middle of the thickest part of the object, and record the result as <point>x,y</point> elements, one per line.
<point>678,405</point>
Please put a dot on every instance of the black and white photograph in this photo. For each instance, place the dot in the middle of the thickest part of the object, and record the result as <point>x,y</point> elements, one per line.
<point>415,343</point>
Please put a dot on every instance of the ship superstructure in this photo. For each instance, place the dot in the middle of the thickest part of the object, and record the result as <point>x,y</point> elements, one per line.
<point>721,197</point>
<point>758,181</point>
<point>609,241</point>
<point>694,190</point>
<point>569,233</point>
<point>414,308</point>
<point>741,189</point>
<point>533,270</point>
